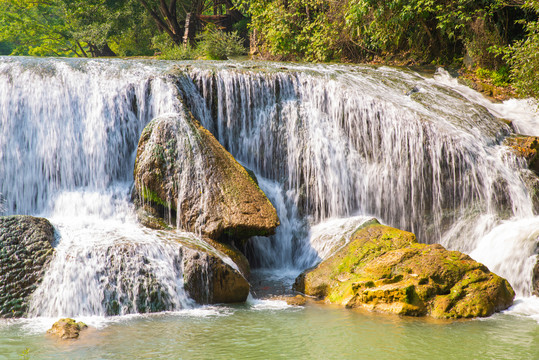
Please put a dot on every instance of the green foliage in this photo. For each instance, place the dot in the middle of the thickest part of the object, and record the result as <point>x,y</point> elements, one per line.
<point>426,30</point>
<point>75,27</point>
<point>500,77</point>
<point>6,47</point>
<point>215,44</point>
<point>25,354</point>
<point>298,29</point>
<point>36,28</point>
<point>523,56</point>
<point>180,53</point>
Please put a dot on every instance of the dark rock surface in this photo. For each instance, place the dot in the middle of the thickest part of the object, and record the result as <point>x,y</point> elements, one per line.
<point>26,248</point>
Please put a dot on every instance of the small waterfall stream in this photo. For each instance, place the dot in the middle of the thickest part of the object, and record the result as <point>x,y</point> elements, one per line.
<point>332,146</point>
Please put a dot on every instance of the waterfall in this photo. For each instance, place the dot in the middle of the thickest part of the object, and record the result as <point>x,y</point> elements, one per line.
<point>331,145</point>
<point>71,124</point>
<point>69,130</point>
<point>414,152</point>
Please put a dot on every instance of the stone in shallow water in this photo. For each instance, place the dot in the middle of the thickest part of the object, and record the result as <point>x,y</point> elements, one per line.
<point>385,269</point>
<point>67,328</point>
<point>25,250</point>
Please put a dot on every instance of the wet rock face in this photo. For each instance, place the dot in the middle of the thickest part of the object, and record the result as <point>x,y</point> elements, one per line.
<point>25,251</point>
<point>209,280</point>
<point>385,269</point>
<point>134,287</point>
<point>528,148</point>
<point>182,171</point>
<point>535,278</point>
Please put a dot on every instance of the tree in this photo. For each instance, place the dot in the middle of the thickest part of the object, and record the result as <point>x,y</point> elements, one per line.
<point>75,27</point>
<point>171,16</point>
<point>38,28</point>
<point>523,56</point>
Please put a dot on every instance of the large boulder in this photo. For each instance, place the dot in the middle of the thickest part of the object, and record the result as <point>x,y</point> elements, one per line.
<point>210,280</point>
<point>26,247</point>
<point>182,170</point>
<point>385,269</point>
<point>209,273</point>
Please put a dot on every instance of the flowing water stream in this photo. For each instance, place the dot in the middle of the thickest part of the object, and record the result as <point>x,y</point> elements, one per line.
<point>332,145</point>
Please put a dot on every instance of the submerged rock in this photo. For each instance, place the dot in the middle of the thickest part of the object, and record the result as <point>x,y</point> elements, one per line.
<point>26,247</point>
<point>297,300</point>
<point>182,170</point>
<point>385,269</point>
<point>67,328</point>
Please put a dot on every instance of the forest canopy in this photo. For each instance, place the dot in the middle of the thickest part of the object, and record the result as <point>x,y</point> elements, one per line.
<point>498,35</point>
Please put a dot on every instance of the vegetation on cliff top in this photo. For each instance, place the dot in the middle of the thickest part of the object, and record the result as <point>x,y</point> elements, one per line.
<point>499,36</point>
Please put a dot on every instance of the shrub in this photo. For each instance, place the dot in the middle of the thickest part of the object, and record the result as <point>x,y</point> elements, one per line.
<point>180,53</point>
<point>215,44</point>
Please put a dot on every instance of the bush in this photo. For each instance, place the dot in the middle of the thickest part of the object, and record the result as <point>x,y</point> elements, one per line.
<point>215,44</point>
<point>179,53</point>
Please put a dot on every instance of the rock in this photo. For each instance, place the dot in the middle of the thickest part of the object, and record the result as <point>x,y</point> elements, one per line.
<point>532,184</point>
<point>209,280</point>
<point>385,269</point>
<point>297,300</point>
<point>26,248</point>
<point>67,328</point>
<point>526,147</point>
<point>535,278</point>
<point>182,170</point>
<point>209,273</point>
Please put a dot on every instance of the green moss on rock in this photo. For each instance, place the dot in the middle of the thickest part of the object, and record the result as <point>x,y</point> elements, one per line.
<point>385,269</point>
<point>67,328</point>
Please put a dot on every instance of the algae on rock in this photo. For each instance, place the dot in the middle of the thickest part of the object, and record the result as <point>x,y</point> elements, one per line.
<point>67,328</point>
<point>385,269</point>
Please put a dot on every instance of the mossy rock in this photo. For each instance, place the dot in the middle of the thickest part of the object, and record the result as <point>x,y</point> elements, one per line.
<point>385,269</point>
<point>67,329</point>
<point>183,172</point>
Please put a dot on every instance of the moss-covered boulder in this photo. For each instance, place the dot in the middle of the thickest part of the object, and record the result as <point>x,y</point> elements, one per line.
<point>188,178</point>
<point>26,248</point>
<point>385,269</point>
<point>67,329</point>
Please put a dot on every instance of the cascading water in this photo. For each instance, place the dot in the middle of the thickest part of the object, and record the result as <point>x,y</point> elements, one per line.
<point>69,131</point>
<point>327,143</point>
<point>377,141</point>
